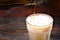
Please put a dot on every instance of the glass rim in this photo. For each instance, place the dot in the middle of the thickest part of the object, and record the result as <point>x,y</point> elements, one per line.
<point>40,14</point>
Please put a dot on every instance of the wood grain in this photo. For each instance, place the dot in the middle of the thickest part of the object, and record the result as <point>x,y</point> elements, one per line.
<point>13,23</point>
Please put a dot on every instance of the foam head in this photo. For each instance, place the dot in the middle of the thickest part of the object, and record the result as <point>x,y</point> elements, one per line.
<point>39,19</point>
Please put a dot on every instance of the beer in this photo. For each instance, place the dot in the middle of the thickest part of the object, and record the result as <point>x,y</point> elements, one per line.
<point>39,26</point>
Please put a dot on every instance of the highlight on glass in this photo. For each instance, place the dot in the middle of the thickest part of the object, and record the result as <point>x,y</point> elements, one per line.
<point>39,26</point>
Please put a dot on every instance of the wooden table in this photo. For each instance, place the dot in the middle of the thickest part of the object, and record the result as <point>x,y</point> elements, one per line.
<point>13,24</point>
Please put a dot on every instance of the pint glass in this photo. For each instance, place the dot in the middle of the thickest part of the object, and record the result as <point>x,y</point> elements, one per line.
<point>39,26</point>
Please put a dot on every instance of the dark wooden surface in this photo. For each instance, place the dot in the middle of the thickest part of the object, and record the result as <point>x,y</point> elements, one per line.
<point>13,24</point>
<point>23,10</point>
<point>16,30</point>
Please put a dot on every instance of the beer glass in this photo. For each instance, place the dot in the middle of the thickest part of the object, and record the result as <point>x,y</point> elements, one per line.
<point>39,26</point>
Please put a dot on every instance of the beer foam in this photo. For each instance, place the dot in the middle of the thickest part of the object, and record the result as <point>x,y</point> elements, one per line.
<point>39,19</point>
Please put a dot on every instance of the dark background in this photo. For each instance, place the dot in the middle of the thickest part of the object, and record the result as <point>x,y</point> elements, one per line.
<point>13,14</point>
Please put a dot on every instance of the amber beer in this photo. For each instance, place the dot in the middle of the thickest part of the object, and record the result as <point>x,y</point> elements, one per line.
<point>39,26</point>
